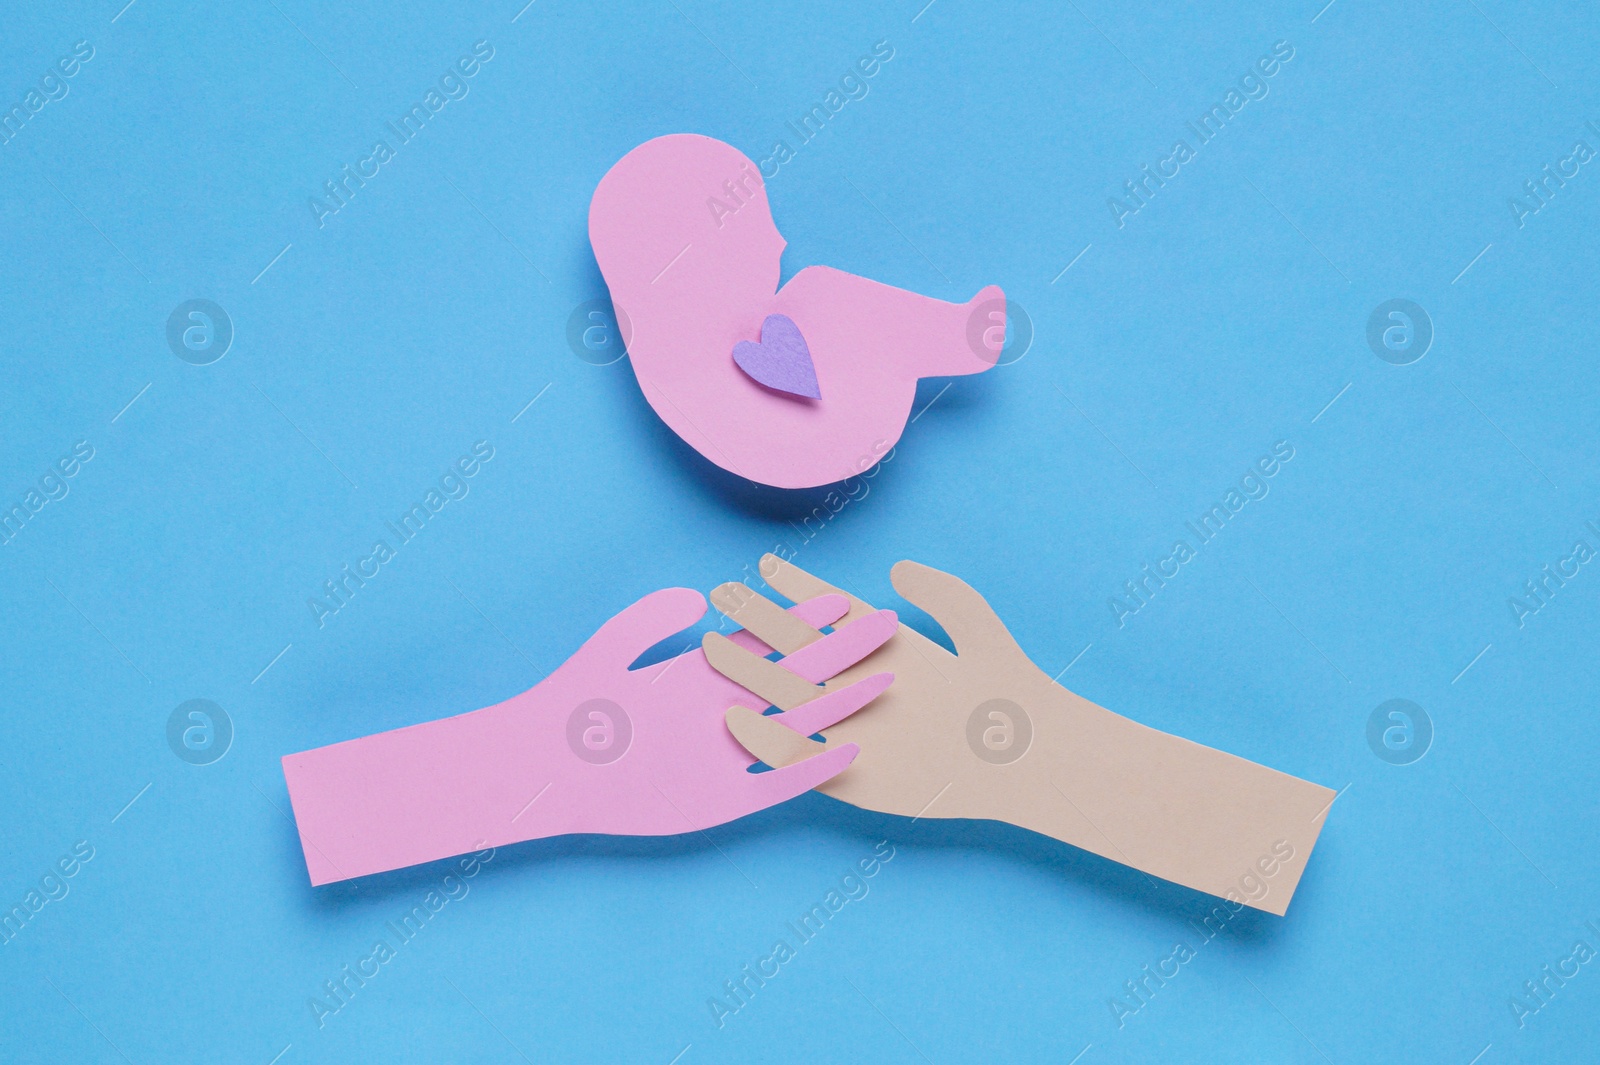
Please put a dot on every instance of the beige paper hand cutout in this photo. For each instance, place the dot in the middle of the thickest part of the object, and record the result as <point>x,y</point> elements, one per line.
<point>984,733</point>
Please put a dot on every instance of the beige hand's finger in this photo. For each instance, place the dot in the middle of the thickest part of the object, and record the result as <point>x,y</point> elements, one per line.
<point>957,607</point>
<point>768,740</point>
<point>794,681</point>
<point>766,679</point>
<point>764,619</point>
<point>795,583</point>
<point>815,613</point>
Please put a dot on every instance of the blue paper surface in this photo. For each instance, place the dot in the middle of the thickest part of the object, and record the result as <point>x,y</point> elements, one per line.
<point>443,293</point>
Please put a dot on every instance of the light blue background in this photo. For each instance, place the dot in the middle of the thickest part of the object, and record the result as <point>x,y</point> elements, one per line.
<point>1222,317</point>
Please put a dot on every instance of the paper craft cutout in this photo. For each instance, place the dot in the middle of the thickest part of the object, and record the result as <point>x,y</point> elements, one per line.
<point>595,748</point>
<point>984,733</point>
<point>685,239</point>
<point>781,360</point>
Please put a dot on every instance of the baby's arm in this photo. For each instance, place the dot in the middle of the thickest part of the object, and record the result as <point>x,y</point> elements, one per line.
<point>917,335</point>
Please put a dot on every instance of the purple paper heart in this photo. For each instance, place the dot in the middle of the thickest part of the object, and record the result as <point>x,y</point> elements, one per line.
<point>781,361</point>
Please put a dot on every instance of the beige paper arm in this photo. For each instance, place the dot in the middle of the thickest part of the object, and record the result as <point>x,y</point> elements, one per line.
<point>984,733</point>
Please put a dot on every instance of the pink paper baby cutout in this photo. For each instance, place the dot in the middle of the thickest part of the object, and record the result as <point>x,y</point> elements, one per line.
<point>686,242</point>
<point>596,747</point>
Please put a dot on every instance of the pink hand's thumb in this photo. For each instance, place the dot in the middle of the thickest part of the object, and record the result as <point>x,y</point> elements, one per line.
<point>626,636</point>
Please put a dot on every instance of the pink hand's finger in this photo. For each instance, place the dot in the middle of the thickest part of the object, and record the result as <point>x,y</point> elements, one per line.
<point>808,719</point>
<point>813,614</point>
<point>843,648</point>
<point>823,610</point>
<point>780,785</point>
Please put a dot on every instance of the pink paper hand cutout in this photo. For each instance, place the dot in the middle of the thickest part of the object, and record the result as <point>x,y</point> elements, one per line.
<point>596,747</point>
<point>683,234</point>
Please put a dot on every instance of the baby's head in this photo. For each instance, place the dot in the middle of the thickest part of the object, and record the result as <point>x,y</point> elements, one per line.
<point>681,217</point>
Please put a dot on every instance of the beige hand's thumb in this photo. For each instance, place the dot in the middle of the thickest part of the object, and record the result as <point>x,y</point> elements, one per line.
<point>958,607</point>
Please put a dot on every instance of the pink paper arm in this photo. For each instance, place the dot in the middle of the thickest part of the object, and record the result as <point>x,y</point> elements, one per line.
<point>460,783</point>
<point>414,795</point>
<point>504,774</point>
